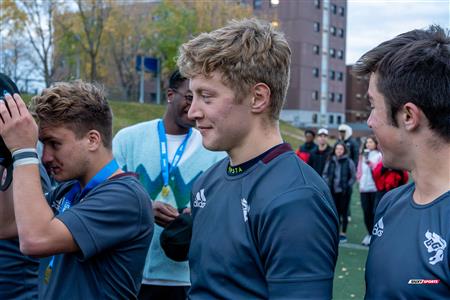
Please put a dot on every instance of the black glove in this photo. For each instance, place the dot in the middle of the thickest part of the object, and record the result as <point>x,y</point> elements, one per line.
<point>175,239</point>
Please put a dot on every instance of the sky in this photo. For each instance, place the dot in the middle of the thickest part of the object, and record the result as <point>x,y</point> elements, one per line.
<point>370,22</point>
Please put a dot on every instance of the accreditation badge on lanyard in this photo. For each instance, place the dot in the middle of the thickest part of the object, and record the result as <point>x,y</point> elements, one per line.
<point>76,192</point>
<point>167,168</point>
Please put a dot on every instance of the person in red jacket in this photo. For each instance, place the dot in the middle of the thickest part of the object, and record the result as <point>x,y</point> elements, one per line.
<point>387,179</point>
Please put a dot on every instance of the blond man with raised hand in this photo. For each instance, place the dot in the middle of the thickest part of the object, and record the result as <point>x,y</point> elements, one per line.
<point>265,226</point>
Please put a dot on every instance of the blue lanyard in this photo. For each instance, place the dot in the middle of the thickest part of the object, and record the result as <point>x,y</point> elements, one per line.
<point>101,176</point>
<point>166,168</point>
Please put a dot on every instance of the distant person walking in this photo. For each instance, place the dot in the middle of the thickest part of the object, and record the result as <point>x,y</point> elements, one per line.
<point>339,173</point>
<point>345,135</point>
<point>320,156</point>
<point>305,150</point>
<point>369,158</point>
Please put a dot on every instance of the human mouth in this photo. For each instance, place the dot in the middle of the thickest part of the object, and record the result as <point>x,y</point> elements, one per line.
<point>203,129</point>
<point>54,170</point>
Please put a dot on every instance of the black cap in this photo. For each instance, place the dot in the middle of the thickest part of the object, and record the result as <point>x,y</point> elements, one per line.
<point>175,239</point>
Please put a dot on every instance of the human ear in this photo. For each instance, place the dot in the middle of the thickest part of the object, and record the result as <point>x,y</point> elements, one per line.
<point>94,140</point>
<point>261,98</point>
<point>411,116</point>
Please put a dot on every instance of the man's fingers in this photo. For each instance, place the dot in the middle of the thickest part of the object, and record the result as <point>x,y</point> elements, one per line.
<point>165,209</point>
<point>163,220</point>
<point>12,106</point>
<point>20,104</point>
<point>4,113</point>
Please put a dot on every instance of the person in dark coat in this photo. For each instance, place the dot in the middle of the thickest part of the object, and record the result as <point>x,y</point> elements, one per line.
<point>340,175</point>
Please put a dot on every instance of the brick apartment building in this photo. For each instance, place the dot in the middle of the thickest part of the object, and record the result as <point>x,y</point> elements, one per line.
<point>316,31</point>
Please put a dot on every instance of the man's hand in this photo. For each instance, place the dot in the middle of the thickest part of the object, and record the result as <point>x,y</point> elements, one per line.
<point>164,213</point>
<point>17,127</point>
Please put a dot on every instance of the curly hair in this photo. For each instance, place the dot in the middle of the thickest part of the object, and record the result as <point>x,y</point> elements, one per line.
<point>77,105</point>
<point>245,53</point>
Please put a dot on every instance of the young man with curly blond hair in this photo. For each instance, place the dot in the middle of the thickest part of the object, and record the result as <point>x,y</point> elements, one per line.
<point>265,226</point>
<point>97,225</point>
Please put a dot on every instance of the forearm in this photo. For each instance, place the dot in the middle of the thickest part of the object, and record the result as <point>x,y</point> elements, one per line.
<point>32,213</point>
<point>8,228</point>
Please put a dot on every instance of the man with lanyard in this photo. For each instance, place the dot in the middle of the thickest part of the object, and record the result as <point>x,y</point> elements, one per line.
<point>168,156</point>
<point>264,222</point>
<point>97,226</point>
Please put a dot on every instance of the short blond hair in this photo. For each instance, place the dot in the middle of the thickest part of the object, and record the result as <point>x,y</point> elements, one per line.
<point>245,52</point>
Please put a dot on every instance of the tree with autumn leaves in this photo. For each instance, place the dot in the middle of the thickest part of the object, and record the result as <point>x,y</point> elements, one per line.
<point>98,40</point>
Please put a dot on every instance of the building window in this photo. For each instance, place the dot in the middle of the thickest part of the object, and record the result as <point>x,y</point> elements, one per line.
<point>333,8</point>
<point>340,76</point>
<point>341,10</point>
<point>341,32</point>
<point>316,72</point>
<point>340,97</point>
<point>317,3</point>
<point>333,30</point>
<point>339,120</point>
<point>331,97</point>
<point>316,26</point>
<point>340,54</point>
<point>332,74</point>
<point>314,118</point>
<point>315,95</point>
<point>333,52</point>
<point>316,49</point>
<point>257,4</point>
<point>331,119</point>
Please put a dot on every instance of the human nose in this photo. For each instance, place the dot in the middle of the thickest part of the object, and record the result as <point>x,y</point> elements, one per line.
<point>47,156</point>
<point>369,121</point>
<point>194,112</point>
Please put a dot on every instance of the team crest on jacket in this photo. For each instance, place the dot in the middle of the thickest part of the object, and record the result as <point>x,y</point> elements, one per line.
<point>200,199</point>
<point>435,243</point>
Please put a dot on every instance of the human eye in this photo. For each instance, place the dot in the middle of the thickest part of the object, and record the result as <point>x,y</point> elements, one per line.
<point>54,144</point>
<point>206,97</point>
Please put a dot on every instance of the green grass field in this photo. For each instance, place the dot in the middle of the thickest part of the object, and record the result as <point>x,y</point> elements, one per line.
<point>349,273</point>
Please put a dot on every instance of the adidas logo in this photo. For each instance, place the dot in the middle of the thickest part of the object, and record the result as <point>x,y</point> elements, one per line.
<point>245,209</point>
<point>378,228</point>
<point>200,199</point>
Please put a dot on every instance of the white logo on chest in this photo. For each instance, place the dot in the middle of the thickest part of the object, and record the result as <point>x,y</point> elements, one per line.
<point>200,199</point>
<point>435,243</point>
<point>378,228</point>
<point>245,209</point>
